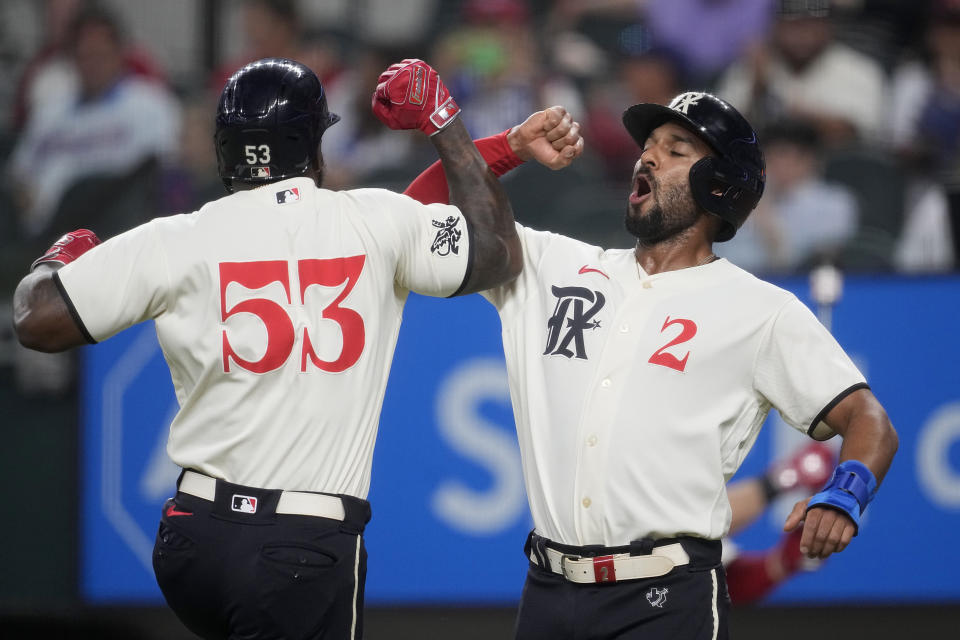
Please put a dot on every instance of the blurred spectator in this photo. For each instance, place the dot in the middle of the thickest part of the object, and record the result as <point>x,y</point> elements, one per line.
<point>366,151</point>
<point>882,29</point>
<point>708,35</point>
<point>191,179</point>
<point>925,244</point>
<point>651,76</point>
<point>109,124</point>
<point>51,76</point>
<point>491,63</point>
<point>801,219</point>
<point>271,29</point>
<point>925,131</point>
<point>608,24</point>
<point>804,72</point>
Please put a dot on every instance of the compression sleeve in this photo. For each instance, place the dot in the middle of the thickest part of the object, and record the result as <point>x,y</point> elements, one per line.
<point>431,185</point>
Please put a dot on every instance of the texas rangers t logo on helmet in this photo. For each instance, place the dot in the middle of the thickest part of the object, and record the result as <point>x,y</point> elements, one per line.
<point>684,101</point>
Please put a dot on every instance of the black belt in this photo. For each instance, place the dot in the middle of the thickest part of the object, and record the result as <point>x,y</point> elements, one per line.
<point>258,506</point>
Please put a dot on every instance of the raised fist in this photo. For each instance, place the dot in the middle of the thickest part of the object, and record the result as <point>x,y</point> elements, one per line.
<point>410,95</point>
<point>551,137</point>
<point>69,247</point>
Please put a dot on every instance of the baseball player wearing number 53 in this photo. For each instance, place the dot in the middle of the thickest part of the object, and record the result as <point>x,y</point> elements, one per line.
<point>277,308</point>
<point>641,377</point>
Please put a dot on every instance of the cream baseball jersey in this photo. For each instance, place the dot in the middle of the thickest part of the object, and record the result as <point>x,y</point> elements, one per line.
<point>277,310</point>
<point>638,396</point>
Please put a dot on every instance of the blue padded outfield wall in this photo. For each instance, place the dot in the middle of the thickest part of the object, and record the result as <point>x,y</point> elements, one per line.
<point>449,510</point>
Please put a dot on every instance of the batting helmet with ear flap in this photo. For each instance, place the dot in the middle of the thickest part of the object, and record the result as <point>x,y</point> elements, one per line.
<point>728,184</point>
<point>271,116</point>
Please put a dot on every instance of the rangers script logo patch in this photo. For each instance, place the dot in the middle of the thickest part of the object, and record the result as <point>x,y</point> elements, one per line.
<point>574,314</point>
<point>448,237</point>
<point>244,504</point>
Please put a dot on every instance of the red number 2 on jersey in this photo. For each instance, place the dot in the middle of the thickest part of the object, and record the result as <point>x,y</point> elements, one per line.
<point>661,356</point>
<point>280,333</point>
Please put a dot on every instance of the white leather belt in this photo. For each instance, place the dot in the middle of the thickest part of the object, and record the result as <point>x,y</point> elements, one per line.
<point>616,568</point>
<point>291,502</point>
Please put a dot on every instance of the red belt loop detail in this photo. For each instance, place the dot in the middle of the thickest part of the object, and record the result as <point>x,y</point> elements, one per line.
<point>603,570</point>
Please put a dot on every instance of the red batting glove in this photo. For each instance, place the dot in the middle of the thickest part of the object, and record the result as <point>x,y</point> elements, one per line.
<point>69,247</point>
<point>410,95</point>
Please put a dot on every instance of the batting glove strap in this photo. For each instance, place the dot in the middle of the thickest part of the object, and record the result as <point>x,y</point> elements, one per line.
<point>444,115</point>
<point>69,247</point>
<point>850,490</point>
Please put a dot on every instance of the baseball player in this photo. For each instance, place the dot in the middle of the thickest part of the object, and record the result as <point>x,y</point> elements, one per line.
<point>641,377</point>
<point>752,575</point>
<point>277,308</point>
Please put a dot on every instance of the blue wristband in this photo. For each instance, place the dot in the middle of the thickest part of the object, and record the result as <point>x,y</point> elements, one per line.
<point>850,490</point>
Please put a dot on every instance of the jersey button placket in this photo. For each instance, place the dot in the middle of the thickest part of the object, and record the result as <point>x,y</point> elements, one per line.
<point>591,477</point>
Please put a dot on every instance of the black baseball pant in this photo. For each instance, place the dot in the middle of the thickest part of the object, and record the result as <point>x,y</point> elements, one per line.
<point>234,576</point>
<point>689,603</point>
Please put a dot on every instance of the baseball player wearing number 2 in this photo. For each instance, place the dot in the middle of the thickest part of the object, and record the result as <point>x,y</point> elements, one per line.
<point>641,377</point>
<point>277,309</point>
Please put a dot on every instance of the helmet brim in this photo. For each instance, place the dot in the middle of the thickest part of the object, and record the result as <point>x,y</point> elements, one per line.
<point>641,119</point>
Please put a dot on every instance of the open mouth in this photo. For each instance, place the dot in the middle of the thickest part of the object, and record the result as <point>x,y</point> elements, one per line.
<point>641,189</point>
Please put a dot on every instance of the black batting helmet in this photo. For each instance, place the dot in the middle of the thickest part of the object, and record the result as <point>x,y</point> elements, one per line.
<point>728,184</point>
<point>271,116</point>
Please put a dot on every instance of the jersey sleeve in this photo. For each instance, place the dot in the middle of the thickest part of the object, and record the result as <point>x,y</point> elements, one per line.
<point>802,370</point>
<point>117,284</point>
<point>433,244</point>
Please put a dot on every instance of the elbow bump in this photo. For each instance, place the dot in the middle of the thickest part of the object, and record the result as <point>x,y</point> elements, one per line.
<point>27,337</point>
<point>33,337</point>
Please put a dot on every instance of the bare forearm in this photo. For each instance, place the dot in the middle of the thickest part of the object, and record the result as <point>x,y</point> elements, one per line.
<point>867,433</point>
<point>41,319</point>
<point>481,198</point>
<point>871,439</point>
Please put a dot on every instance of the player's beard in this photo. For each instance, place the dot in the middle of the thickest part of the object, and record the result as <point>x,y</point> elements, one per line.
<point>673,212</point>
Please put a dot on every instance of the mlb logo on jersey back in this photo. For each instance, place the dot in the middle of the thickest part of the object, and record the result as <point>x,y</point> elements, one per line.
<point>288,195</point>
<point>244,504</point>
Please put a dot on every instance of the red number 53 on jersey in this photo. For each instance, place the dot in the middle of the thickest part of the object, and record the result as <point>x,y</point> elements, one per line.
<point>281,336</point>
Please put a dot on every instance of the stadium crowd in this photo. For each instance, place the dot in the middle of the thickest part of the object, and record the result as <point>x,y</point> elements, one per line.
<point>857,102</point>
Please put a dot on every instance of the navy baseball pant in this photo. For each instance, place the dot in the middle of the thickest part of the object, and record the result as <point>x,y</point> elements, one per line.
<point>689,603</point>
<point>264,575</point>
